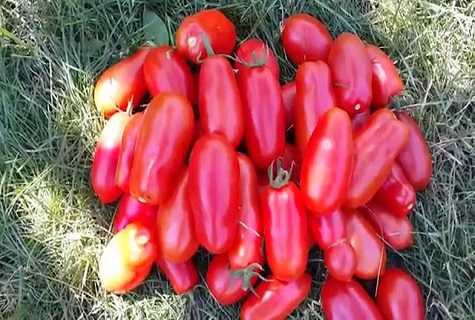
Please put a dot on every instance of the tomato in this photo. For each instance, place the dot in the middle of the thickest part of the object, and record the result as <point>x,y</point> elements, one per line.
<point>396,231</point>
<point>276,300</point>
<point>183,276</point>
<point>219,102</point>
<point>347,301</point>
<point>351,72</point>
<point>121,84</point>
<point>376,149</point>
<point>305,39</point>
<point>360,121</point>
<point>340,260</point>
<point>224,283</point>
<point>264,120</point>
<point>314,97</point>
<point>386,81</point>
<point>399,297</point>
<point>255,49</point>
<point>162,145</point>
<point>212,24</point>
<point>126,151</point>
<point>285,227</point>
<point>262,181</point>
<point>369,249</point>
<point>328,163</point>
<point>130,211</point>
<point>127,259</point>
<point>175,223</point>
<point>166,70</point>
<point>289,92</point>
<point>291,160</point>
<point>415,159</point>
<point>397,193</point>
<point>213,190</point>
<point>106,157</point>
<point>246,246</point>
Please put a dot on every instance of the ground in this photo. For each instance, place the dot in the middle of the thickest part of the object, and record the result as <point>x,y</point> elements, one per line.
<point>52,227</point>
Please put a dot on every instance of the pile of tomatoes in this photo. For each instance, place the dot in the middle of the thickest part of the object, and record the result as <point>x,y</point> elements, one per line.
<point>226,158</point>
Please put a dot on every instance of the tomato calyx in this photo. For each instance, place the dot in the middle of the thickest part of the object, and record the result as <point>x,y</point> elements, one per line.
<point>246,274</point>
<point>208,48</point>
<point>283,176</point>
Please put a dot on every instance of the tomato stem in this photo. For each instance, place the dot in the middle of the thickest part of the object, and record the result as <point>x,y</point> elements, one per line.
<point>283,176</point>
<point>246,275</point>
<point>207,44</point>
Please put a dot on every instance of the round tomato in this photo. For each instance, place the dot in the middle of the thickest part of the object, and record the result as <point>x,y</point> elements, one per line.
<point>183,276</point>
<point>130,211</point>
<point>255,49</point>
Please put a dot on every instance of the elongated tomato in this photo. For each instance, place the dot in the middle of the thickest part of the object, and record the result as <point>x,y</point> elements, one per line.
<point>162,145</point>
<point>328,163</point>
<point>314,97</point>
<point>289,92</point>
<point>255,49</point>
<point>131,210</point>
<point>183,276</point>
<point>213,186</point>
<point>106,157</point>
<point>219,102</point>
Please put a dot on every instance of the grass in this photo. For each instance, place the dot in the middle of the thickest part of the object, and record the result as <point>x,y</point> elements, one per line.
<point>52,227</point>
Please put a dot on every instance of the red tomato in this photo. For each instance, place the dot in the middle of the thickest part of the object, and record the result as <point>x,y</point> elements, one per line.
<point>351,71</point>
<point>162,145</point>
<point>386,81</point>
<point>246,247</point>
<point>415,159</point>
<point>289,91</point>
<point>126,152</point>
<point>225,288</point>
<point>262,181</point>
<point>276,300</point>
<point>396,231</point>
<point>285,228</point>
<point>291,160</point>
<point>264,122</point>
<point>360,121</point>
<point>213,190</point>
<point>183,276</point>
<point>397,193</point>
<point>328,163</point>
<point>369,249</point>
<point>212,24</point>
<point>130,211</point>
<point>126,260</point>
<point>121,84</point>
<point>399,297</point>
<point>305,39</point>
<point>340,260</point>
<point>166,70</point>
<point>219,102</point>
<point>347,301</point>
<point>314,97</point>
<point>175,224</point>
<point>106,157</point>
<point>253,49</point>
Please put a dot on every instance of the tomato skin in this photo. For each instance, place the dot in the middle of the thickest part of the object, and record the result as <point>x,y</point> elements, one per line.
<point>256,47</point>
<point>289,92</point>
<point>285,230</point>
<point>340,261</point>
<point>219,101</point>
<point>162,145</point>
<point>276,300</point>
<point>315,96</point>
<point>264,122</point>
<point>130,211</point>
<point>175,223</point>
<point>305,38</point>
<point>376,149</point>
<point>347,301</point>
<point>214,25</point>
<point>126,151</point>
<point>415,159</point>
<point>213,183</point>
<point>399,296</point>
<point>121,83</point>
<point>328,163</point>
<point>369,249</point>
<point>166,70</point>
<point>106,157</point>
<point>397,193</point>
<point>127,258</point>
<point>396,231</point>
<point>351,71</point>
<point>246,247</point>
<point>183,276</point>
<point>386,82</point>
<point>291,159</point>
<point>360,121</point>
